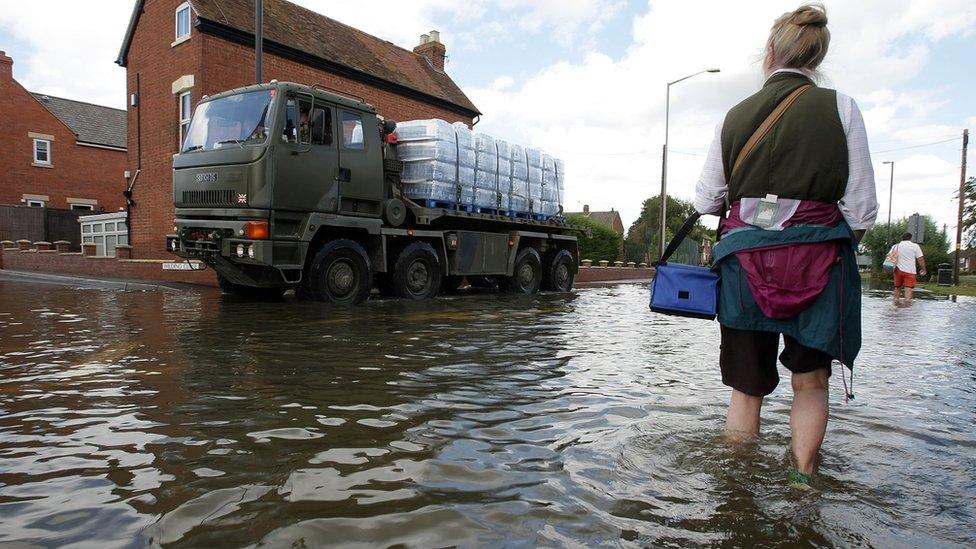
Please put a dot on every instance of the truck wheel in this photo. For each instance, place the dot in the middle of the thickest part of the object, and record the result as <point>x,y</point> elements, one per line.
<point>527,275</point>
<point>417,274</point>
<point>340,273</point>
<point>558,275</point>
<point>252,292</point>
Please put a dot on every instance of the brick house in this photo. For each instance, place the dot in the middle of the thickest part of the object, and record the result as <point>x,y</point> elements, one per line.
<point>177,51</point>
<point>610,219</point>
<point>59,153</point>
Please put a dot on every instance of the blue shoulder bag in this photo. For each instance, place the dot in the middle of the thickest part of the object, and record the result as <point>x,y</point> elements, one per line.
<point>684,290</point>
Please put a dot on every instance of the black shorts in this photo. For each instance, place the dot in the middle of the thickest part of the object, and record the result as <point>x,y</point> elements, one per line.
<point>748,360</point>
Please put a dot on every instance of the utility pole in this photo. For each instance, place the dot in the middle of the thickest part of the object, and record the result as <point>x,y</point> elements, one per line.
<point>962,202</point>
<point>258,40</point>
<point>891,194</point>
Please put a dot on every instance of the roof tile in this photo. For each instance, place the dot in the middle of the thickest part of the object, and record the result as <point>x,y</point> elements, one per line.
<point>93,124</point>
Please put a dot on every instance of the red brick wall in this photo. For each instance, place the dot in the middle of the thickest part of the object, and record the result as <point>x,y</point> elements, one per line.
<point>216,65</point>
<point>76,171</point>
<point>100,267</point>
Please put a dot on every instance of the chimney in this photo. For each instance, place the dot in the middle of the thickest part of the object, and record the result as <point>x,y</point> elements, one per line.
<point>6,67</point>
<point>431,49</point>
<point>586,209</point>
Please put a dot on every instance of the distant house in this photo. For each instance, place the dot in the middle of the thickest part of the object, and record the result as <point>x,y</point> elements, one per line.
<point>609,219</point>
<point>176,52</point>
<point>59,153</point>
<point>967,260</point>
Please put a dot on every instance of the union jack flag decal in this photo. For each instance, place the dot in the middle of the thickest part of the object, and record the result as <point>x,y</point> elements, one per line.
<point>242,198</point>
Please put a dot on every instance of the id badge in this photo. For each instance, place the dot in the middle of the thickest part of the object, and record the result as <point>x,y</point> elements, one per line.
<point>766,211</point>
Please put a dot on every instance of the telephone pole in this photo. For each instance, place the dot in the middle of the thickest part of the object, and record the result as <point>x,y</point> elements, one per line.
<point>962,202</point>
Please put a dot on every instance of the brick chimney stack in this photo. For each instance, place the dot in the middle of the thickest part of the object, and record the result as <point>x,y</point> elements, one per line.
<point>431,49</point>
<point>6,67</point>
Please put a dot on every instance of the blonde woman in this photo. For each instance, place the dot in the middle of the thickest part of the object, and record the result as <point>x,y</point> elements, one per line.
<point>800,197</point>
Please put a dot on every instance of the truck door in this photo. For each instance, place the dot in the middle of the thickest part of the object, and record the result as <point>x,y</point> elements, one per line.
<point>361,182</point>
<point>307,158</point>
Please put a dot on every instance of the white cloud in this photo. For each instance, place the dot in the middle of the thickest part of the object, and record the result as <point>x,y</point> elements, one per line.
<point>73,48</point>
<point>606,116</point>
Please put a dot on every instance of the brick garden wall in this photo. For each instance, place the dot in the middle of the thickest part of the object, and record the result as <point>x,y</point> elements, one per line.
<point>53,262</point>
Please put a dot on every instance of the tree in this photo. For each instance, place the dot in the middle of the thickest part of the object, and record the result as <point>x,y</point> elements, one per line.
<point>643,237</point>
<point>936,246</point>
<point>969,214</point>
<point>603,242</point>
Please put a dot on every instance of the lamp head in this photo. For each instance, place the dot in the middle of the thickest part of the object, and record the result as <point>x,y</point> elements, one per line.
<point>714,70</point>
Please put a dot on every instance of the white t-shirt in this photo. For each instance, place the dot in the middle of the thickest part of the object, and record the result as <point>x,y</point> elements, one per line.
<point>908,252</point>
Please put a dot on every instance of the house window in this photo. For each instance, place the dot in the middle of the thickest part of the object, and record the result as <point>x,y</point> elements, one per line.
<point>182,21</point>
<point>352,131</point>
<point>82,207</point>
<point>185,113</point>
<point>35,203</point>
<point>42,152</point>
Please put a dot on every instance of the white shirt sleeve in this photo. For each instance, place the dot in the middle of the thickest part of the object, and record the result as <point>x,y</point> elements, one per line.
<point>711,190</point>
<point>859,205</point>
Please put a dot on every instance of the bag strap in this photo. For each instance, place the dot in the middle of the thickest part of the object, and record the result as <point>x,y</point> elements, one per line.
<point>767,125</point>
<point>754,140</point>
<point>679,237</point>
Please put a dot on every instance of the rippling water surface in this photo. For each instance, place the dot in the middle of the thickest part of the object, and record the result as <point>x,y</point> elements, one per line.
<point>190,419</point>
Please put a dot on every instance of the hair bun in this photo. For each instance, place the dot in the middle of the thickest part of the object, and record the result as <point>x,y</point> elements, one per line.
<point>810,14</point>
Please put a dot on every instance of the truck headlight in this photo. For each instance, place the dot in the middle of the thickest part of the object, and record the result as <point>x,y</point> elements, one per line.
<point>174,244</point>
<point>250,251</point>
<point>240,250</point>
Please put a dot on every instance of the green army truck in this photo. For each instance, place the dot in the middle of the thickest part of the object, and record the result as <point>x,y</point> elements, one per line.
<point>284,186</point>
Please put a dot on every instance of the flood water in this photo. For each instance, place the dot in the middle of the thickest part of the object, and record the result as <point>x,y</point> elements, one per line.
<point>186,418</point>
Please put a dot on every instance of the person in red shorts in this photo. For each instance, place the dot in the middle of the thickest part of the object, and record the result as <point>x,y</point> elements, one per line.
<point>905,269</point>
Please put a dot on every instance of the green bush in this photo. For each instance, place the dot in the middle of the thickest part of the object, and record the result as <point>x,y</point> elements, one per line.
<point>602,244</point>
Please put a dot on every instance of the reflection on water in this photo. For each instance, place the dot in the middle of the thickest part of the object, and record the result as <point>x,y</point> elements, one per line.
<point>186,418</point>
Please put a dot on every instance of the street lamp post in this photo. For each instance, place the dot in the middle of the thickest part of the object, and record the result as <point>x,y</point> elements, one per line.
<point>664,155</point>
<point>891,192</point>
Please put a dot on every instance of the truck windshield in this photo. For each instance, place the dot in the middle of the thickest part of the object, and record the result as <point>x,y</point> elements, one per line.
<point>232,121</point>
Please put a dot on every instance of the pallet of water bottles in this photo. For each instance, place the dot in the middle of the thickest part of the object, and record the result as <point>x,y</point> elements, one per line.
<point>447,166</point>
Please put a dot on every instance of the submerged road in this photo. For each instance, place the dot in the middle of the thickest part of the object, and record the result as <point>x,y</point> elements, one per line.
<point>181,417</point>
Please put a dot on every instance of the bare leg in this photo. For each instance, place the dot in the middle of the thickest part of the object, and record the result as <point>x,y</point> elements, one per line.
<point>908,294</point>
<point>808,418</point>
<point>742,421</point>
<point>896,295</point>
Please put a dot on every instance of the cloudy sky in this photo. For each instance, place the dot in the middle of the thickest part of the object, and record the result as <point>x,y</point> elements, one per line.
<point>585,79</point>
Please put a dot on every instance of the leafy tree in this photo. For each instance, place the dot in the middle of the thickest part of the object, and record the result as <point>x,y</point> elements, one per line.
<point>969,214</point>
<point>643,237</point>
<point>876,243</point>
<point>603,242</point>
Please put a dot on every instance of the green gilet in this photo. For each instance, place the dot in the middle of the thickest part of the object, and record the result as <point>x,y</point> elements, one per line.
<point>803,157</point>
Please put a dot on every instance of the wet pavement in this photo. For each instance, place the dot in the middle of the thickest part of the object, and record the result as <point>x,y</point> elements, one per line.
<point>181,417</point>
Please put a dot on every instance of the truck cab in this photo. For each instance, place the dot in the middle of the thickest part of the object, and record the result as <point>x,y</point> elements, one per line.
<point>271,175</point>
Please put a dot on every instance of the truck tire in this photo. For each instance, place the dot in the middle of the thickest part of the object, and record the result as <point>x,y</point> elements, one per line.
<point>339,273</point>
<point>558,274</point>
<point>417,273</point>
<point>229,288</point>
<point>394,212</point>
<point>527,275</point>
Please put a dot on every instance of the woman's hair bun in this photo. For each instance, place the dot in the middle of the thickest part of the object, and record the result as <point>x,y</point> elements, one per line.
<point>810,14</point>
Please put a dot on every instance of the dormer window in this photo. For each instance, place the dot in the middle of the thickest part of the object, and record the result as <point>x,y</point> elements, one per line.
<point>182,22</point>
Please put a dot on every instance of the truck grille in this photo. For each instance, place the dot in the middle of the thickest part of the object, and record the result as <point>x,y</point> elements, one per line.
<point>217,197</point>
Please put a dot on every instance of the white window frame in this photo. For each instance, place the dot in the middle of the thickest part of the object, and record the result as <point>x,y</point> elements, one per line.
<point>184,116</point>
<point>47,142</point>
<point>81,207</point>
<point>185,6</point>
<point>105,231</point>
<point>36,204</point>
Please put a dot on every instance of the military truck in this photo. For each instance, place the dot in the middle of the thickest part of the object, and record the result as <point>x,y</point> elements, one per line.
<point>285,186</point>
